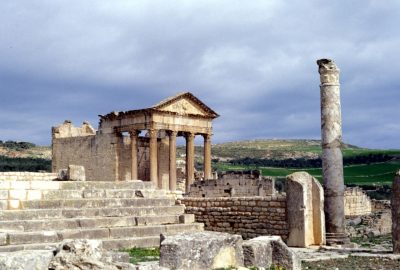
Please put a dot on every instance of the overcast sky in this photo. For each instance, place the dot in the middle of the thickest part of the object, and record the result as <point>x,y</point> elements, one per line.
<point>251,61</point>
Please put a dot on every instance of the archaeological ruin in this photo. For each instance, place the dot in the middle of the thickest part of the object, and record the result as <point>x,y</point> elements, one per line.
<point>332,159</point>
<point>138,144</point>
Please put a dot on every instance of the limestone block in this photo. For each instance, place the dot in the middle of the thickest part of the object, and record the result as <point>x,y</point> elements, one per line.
<point>76,173</point>
<point>13,204</point>
<point>26,260</point>
<point>265,251</point>
<point>186,218</point>
<point>3,194</point>
<point>45,185</point>
<point>18,194</point>
<point>34,195</point>
<point>305,210</point>
<point>3,239</point>
<point>62,174</point>
<point>201,250</point>
<point>396,213</point>
<point>82,255</point>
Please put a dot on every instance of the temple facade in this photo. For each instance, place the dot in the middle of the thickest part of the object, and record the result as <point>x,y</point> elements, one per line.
<point>137,144</point>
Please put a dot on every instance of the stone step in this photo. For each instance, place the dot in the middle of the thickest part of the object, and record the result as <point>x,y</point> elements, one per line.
<point>68,185</point>
<point>45,214</point>
<point>103,193</point>
<point>78,223</point>
<point>22,238</point>
<point>95,203</point>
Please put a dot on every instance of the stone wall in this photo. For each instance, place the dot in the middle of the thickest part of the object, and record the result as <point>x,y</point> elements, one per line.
<point>234,184</point>
<point>356,202</point>
<point>26,176</point>
<point>105,156</point>
<point>247,216</point>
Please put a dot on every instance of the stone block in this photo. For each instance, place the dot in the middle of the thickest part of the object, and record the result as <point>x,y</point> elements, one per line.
<point>14,204</point>
<point>3,194</point>
<point>34,195</point>
<point>76,173</point>
<point>201,250</point>
<point>45,185</point>
<point>26,259</point>
<point>186,218</point>
<point>18,194</point>
<point>3,239</point>
<point>20,185</point>
<point>62,175</point>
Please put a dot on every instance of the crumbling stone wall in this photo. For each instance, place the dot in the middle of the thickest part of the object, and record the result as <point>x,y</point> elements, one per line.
<point>234,184</point>
<point>356,202</point>
<point>247,216</point>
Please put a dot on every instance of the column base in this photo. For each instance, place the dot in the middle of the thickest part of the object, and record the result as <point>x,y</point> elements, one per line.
<point>335,239</point>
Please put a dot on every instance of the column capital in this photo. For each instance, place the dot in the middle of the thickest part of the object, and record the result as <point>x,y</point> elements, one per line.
<point>189,135</point>
<point>152,132</point>
<point>206,136</point>
<point>172,133</point>
<point>134,132</point>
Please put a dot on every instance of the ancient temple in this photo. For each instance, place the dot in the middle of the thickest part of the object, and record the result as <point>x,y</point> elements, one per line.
<point>137,144</point>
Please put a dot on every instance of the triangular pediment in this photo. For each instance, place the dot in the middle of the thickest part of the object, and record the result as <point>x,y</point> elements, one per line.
<point>185,104</point>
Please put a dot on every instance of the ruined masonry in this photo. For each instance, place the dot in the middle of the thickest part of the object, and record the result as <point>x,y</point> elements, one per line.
<point>41,214</point>
<point>396,213</point>
<point>138,144</point>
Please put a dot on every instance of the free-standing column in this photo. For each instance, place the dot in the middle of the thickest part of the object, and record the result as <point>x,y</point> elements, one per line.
<point>153,157</point>
<point>189,160</point>
<point>134,154</point>
<point>332,160</point>
<point>172,160</point>
<point>207,156</point>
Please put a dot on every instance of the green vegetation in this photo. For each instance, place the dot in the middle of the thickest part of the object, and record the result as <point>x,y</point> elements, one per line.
<point>8,164</point>
<point>382,173</point>
<point>18,146</point>
<point>143,254</point>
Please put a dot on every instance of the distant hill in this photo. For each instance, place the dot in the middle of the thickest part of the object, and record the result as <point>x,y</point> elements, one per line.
<point>24,156</point>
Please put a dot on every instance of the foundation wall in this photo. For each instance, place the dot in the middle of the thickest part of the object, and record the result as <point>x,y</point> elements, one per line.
<point>247,216</point>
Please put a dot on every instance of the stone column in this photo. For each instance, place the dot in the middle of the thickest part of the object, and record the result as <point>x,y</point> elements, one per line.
<point>189,159</point>
<point>172,160</point>
<point>207,156</point>
<point>117,149</point>
<point>134,154</point>
<point>332,160</point>
<point>153,157</point>
<point>395,203</point>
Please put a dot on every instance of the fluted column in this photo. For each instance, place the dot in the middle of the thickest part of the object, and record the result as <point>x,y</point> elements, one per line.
<point>172,160</point>
<point>189,160</point>
<point>134,154</point>
<point>153,157</point>
<point>332,159</point>
<point>207,156</point>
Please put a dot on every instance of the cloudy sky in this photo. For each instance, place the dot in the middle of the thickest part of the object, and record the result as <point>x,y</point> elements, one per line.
<point>251,61</point>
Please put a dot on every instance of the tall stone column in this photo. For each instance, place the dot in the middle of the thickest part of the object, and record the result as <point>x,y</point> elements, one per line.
<point>172,160</point>
<point>134,154</point>
<point>332,159</point>
<point>207,156</point>
<point>189,160</point>
<point>153,157</point>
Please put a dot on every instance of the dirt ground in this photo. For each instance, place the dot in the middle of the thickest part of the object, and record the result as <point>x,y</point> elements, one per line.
<point>354,263</point>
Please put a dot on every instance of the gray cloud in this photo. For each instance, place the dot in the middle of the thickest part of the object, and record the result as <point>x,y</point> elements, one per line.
<point>253,62</point>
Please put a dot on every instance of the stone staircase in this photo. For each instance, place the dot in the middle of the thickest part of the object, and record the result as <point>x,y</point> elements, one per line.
<point>40,214</point>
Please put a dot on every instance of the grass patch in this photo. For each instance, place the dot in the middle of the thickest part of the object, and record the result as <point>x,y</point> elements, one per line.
<point>143,254</point>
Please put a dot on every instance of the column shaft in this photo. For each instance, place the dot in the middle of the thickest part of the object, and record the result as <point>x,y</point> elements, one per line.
<point>134,154</point>
<point>332,159</point>
<point>189,160</point>
<point>172,160</point>
<point>207,156</point>
<point>153,157</point>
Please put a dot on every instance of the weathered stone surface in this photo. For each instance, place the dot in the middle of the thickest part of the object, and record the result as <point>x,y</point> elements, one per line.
<point>81,255</point>
<point>3,239</point>
<point>62,174</point>
<point>396,213</point>
<point>26,260</point>
<point>76,173</point>
<point>201,250</point>
<point>265,251</point>
<point>305,210</point>
<point>332,159</point>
